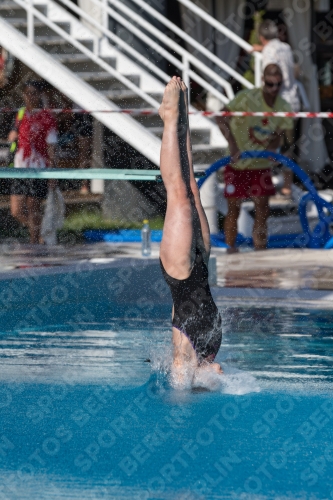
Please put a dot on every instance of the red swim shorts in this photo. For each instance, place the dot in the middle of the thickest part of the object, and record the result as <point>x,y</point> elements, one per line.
<point>248,183</point>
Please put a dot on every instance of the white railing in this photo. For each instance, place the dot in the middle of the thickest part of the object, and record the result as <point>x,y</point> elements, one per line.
<point>178,31</point>
<point>32,12</point>
<point>183,65</point>
<point>186,62</point>
<point>229,34</point>
<point>186,57</point>
<point>119,41</point>
<point>191,41</point>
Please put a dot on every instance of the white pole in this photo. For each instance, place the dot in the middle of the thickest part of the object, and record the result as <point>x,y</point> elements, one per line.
<point>105,15</point>
<point>186,75</point>
<point>257,69</point>
<point>97,185</point>
<point>30,20</point>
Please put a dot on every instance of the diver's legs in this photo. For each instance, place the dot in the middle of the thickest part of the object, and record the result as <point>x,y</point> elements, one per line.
<point>185,361</point>
<point>202,232</point>
<point>185,226</point>
<point>177,242</point>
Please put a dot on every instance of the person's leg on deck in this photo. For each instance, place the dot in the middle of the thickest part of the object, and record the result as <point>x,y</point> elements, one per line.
<point>34,218</point>
<point>261,205</point>
<point>18,208</point>
<point>230,222</point>
<point>27,208</point>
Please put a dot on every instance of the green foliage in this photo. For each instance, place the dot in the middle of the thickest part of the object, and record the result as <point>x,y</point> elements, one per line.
<point>84,220</point>
<point>75,224</point>
<point>78,222</point>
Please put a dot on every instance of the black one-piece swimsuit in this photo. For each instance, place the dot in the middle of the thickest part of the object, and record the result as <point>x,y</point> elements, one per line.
<point>195,312</point>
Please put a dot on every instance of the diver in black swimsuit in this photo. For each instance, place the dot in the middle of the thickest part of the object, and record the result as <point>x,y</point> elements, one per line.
<point>185,247</point>
<point>195,313</point>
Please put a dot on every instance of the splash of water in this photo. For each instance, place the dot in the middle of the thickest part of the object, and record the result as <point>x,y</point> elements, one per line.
<point>185,378</point>
<point>232,381</point>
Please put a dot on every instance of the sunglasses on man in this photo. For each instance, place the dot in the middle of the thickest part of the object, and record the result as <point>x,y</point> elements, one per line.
<point>271,84</point>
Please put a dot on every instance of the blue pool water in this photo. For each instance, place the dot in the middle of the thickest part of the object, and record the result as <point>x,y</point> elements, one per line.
<point>84,416</point>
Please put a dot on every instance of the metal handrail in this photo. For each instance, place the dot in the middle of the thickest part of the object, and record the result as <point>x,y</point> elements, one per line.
<point>186,56</point>
<point>187,38</point>
<point>33,12</point>
<point>184,65</point>
<point>116,39</point>
<point>229,34</point>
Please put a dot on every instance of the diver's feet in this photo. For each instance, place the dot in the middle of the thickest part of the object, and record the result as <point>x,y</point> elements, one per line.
<point>169,109</point>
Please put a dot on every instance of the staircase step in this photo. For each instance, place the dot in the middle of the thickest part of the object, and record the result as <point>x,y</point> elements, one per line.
<point>11,10</point>
<point>126,99</point>
<point>57,45</point>
<point>198,136</point>
<point>41,29</point>
<point>149,121</point>
<point>104,81</point>
<point>81,63</point>
<point>82,66</point>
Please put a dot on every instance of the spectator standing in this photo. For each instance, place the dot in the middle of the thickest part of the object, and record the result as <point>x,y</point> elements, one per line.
<point>35,131</point>
<point>252,178</point>
<point>274,51</point>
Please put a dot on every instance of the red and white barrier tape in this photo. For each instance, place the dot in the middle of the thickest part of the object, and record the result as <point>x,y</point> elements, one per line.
<point>153,112</point>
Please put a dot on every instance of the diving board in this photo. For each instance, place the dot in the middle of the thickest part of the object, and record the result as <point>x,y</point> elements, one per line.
<point>73,174</point>
<point>90,173</point>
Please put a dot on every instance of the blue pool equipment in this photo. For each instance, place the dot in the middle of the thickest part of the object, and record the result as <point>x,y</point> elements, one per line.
<point>121,235</point>
<point>329,244</point>
<point>320,237</point>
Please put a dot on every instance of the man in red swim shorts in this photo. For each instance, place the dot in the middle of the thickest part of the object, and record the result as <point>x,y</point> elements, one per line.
<point>251,179</point>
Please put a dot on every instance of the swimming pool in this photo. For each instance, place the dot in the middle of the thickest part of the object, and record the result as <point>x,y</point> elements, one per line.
<point>83,415</point>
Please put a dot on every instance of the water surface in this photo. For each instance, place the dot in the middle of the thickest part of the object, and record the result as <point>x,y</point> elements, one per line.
<point>83,415</point>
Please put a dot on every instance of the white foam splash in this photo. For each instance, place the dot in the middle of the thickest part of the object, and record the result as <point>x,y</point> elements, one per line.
<point>232,381</point>
<point>161,358</point>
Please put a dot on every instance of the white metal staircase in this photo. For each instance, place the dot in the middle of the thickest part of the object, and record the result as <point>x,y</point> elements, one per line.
<point>98,71</point>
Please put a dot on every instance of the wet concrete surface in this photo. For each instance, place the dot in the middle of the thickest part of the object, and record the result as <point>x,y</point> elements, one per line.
<point>278,269</point>
<point>286,269</point>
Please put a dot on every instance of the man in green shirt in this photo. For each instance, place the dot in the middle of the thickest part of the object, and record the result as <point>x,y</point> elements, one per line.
<point>252,178</point>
